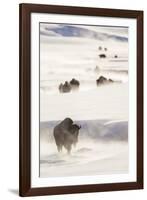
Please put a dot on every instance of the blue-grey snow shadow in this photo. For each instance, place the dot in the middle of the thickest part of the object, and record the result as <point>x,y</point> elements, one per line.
<point>77,31</point>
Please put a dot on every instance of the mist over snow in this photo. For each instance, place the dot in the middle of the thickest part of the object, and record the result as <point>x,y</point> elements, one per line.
<point>71,51</point>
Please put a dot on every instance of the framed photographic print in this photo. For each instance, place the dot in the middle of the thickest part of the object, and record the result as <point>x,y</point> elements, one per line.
<point>81,99</point>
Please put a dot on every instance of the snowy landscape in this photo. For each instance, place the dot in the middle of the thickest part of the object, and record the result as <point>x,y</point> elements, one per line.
<point>84,53</point>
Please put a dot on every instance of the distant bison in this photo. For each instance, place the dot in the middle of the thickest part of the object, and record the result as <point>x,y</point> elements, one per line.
<point>64,88</point>
<point>103,80</point>
<point>68,86</point>
<point>102,55</point>
<point>74,84</point>
<point>66,134</point>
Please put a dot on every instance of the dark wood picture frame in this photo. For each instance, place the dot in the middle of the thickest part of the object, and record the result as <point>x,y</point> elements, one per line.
<point>25,99</point>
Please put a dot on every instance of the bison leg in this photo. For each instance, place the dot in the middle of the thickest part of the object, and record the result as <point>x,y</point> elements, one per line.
<point>68,147</point>
<point>59,147</point>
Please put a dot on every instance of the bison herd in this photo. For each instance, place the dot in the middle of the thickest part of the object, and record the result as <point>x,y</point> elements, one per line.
<point>69,86</point>
<point>66,134</point>
<point>103,55</point>
<point>74,84</point>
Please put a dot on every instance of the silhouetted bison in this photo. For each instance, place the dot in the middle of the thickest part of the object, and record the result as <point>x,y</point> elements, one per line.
<point>66,134</point>
<point>102,56</point>
<point>103,80</point>
<point>64,88</point>
<point>68,86</point>
<point>74,84</point>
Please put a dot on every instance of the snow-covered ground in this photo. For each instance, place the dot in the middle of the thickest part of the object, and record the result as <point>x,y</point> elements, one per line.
<point>73,52</point>
<point>63,58</point>
<point>102,149</point>
<point>106,102</point>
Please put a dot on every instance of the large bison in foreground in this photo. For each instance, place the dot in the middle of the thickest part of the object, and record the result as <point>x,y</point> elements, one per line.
<point>66,134</point>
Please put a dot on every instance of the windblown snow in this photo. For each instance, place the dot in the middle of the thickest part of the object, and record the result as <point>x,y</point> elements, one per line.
<point>68,52</point>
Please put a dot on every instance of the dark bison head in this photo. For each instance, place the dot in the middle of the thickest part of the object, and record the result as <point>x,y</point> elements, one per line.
<point>74,130</point>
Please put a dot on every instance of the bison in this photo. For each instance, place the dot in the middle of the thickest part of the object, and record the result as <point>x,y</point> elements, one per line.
<point>74,84</point>
<point>64,88</point>
<point>103,80</point>
<point>102,56</point>
<point>66,134</point>
<point>69,86</point>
